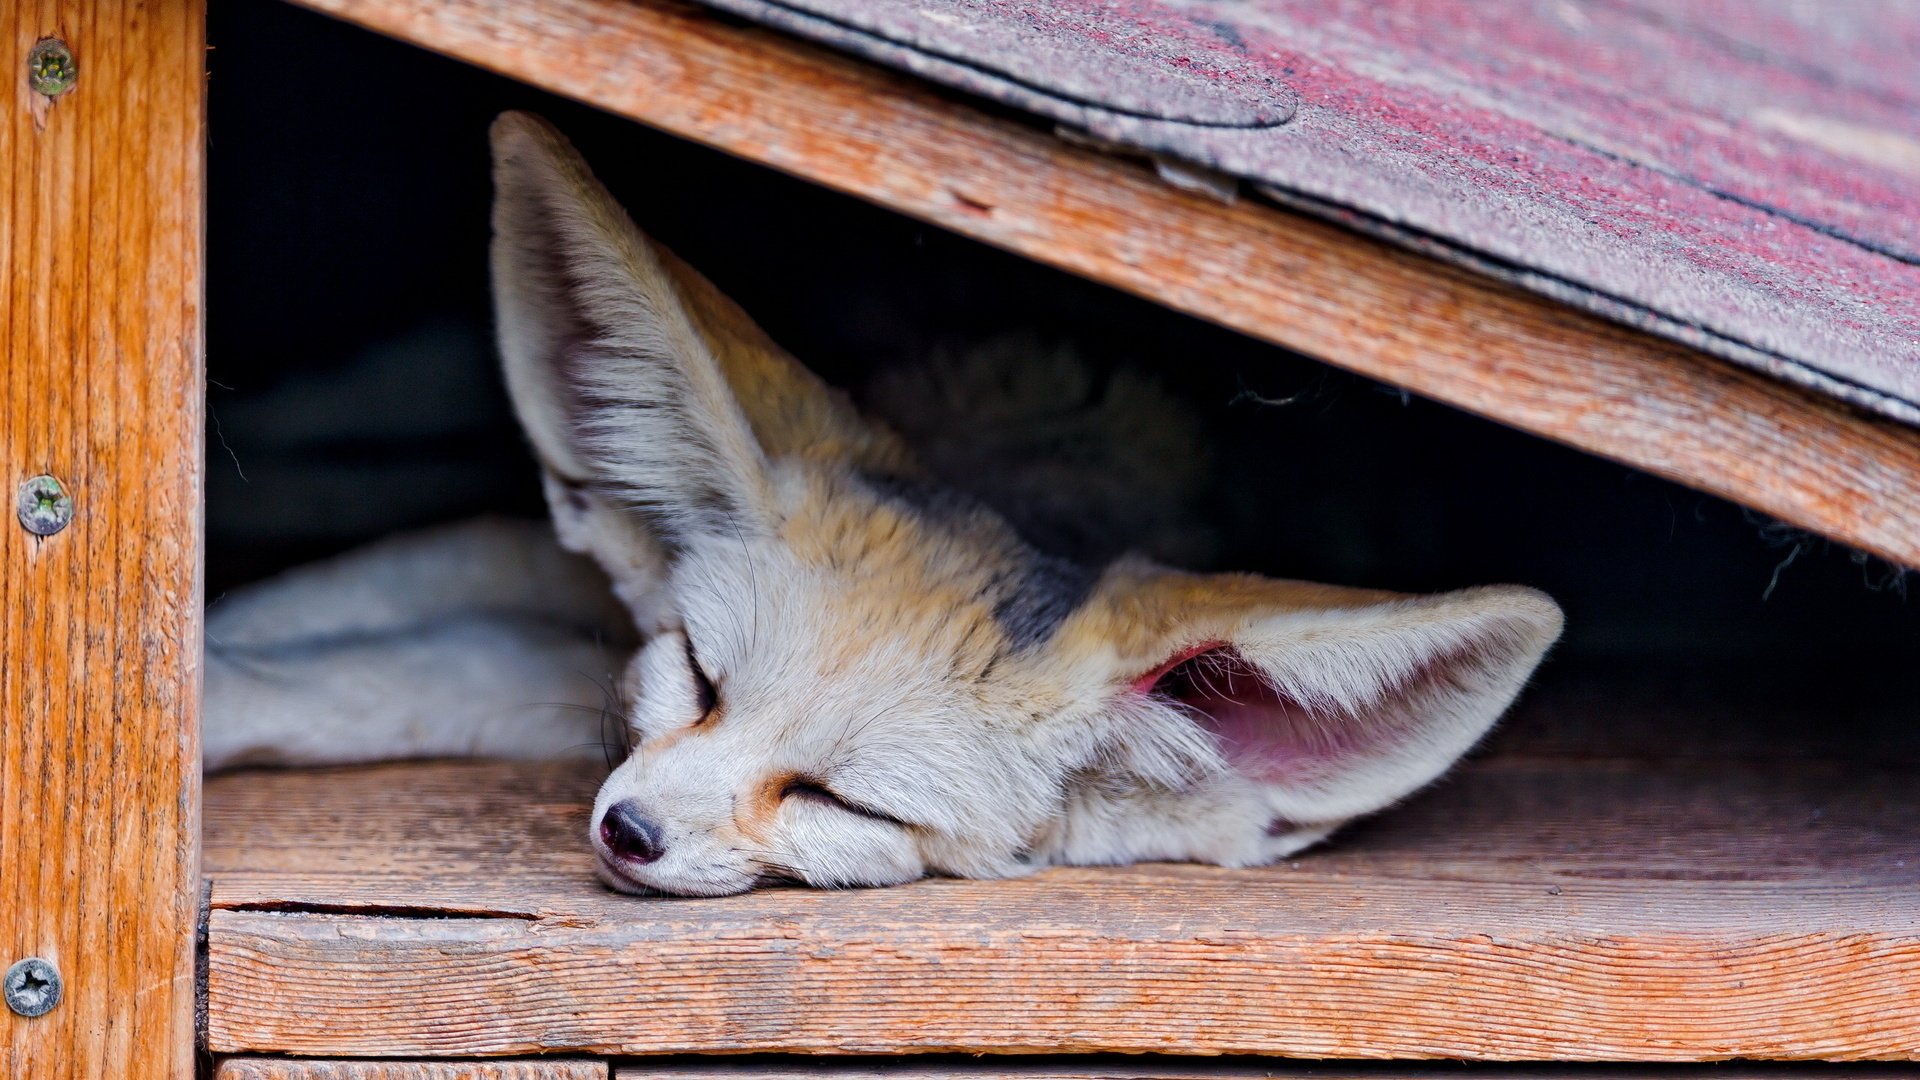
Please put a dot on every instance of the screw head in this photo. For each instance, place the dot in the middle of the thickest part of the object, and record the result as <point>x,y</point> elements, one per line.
<point>51,68</point>
<point>44,506</point>
<point>32,987</point>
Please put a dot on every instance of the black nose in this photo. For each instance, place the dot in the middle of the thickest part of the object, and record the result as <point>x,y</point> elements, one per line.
<point>630,836</point>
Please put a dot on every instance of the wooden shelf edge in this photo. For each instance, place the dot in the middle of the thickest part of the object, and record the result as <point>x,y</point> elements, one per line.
<point>1512,916</point>
<point>1106,1068</point>
<point>511,986</point>
<point>269,1068</point>
<point>1095,1067</point>
<point>1388,313</point>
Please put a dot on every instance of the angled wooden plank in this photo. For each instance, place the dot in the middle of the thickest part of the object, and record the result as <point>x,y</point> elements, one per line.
<point>1363,304</point>
<point>100,386</point>
<point>256,1068</point>
<point>1562,898</point>
<point>1757,202</point>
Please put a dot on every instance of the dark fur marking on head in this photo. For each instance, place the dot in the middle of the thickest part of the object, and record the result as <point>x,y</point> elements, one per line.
<point>929,498</point>
<point>1039,595</point>
<point>1032,597</point>
<point>1052,526</point>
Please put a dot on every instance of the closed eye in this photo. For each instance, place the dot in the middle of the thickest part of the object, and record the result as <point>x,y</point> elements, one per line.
<point>801,787</point>
<point>706,698</point>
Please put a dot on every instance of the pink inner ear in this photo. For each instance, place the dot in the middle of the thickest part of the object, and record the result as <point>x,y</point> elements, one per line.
<point>1148,683</point>
<point>1263,733</point>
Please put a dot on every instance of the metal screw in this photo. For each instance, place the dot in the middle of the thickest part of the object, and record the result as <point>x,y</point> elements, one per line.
<point>33,987</point>
<point>51,68</point>
<point>44,506</point>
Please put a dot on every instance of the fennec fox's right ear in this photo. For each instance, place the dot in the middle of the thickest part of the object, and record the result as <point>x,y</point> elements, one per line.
<point>624,366</point>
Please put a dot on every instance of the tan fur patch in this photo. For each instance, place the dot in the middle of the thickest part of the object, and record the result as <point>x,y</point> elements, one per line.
<point>754,816</point>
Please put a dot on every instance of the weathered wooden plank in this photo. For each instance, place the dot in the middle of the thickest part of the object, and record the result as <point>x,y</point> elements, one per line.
<point>243,1068</point>
<point>1016,969</point>
<point>1758,202</point>
<point>1566,898</point>
<point>1363,304</point>
<point>100,386</point>
<point>1137,1069</point>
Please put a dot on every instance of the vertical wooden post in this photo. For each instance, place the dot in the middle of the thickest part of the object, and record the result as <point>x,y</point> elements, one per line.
<point>100,387</point>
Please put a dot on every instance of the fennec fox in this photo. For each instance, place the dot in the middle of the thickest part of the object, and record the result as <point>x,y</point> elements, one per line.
<point>850,674</point>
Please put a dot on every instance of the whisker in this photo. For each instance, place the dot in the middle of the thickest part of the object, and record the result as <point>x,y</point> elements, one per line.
<point>848,731</point>
<point>590,742</point>
<point>753,576</point>
<point>609,711</point>
<point>574,705</point>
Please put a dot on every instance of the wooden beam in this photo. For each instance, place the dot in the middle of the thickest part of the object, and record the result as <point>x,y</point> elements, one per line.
<point>258,1068</point>
<point>1297,281</point>
<point>1635,872</point>
<point>100,386</point>
<point>1104,1068</point>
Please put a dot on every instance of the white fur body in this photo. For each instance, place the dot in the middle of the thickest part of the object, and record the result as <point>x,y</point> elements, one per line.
<point>478,639</point>
<point>850,673</point>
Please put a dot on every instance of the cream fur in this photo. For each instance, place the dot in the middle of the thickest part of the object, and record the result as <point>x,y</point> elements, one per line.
<point>477,639</point>
<point>901,684</point>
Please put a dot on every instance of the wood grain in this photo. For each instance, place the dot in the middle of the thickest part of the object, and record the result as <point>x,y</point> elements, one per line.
<point>1386,312</point>
<point>1561,898</point>
<point>1133,1068</point>
<point>100,385</point>
<point>309,1069</point>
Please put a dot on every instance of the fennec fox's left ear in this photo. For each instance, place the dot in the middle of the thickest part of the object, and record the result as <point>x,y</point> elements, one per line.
<point>1323,703</point>
<point>624,366</point>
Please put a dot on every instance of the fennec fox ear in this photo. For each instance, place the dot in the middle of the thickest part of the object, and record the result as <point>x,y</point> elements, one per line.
<point>653,402</point>
<point>1332,702</point>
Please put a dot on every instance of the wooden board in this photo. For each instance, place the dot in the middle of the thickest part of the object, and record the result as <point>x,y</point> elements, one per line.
<point>1596,889</point>
<point>1409,319</point>
<point>100,385</point>
<point>1752,189</point>
<point>1149,1069</point>
<point>310,1069</point>
<point>936,1068</point>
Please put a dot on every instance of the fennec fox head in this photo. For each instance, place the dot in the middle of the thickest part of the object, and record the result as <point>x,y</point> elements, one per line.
<point>852,676</point>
